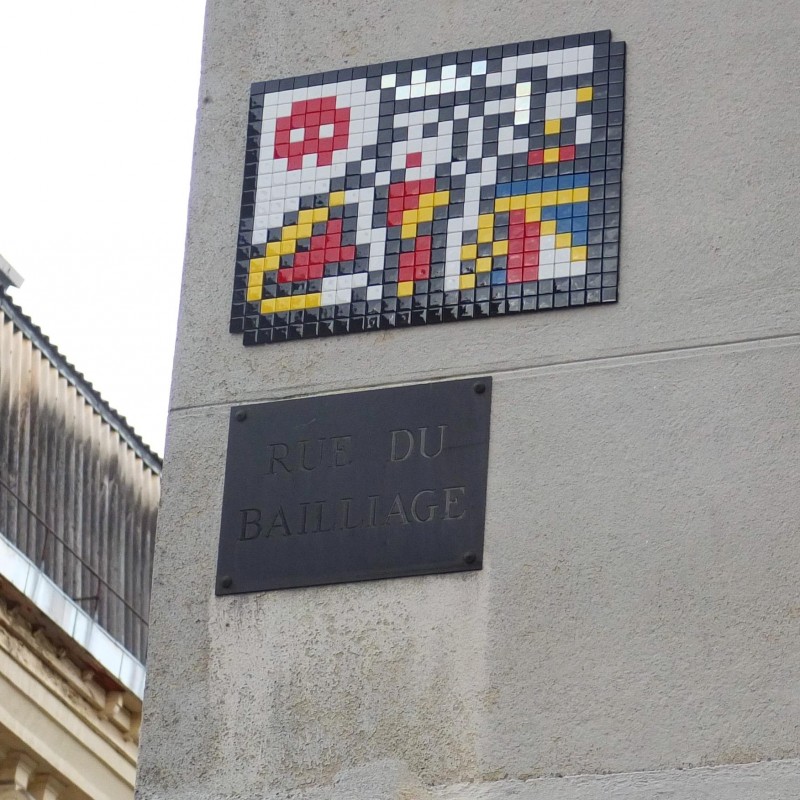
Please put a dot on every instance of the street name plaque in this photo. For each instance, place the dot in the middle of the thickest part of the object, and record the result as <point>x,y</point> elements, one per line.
<point>358,486</point>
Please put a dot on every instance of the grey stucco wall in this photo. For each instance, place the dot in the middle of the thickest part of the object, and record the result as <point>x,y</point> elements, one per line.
<point>638,609</point>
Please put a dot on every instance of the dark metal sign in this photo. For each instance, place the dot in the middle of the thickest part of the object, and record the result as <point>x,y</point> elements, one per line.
<point>359,486</point>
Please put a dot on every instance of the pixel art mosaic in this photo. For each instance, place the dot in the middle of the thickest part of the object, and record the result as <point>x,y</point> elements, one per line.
<point>472,184</point>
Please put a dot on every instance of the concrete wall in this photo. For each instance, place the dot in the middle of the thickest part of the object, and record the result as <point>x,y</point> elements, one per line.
<point>638,609</point>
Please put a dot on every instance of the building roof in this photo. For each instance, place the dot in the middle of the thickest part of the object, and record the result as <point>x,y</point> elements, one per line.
<point>109,414</point>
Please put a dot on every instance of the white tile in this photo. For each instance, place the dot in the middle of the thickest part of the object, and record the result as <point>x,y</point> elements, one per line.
<point>577,268</point>
<point>374,292</point>
<point>388,81</point>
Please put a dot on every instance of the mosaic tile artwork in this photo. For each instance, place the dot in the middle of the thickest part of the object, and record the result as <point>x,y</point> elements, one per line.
<point>473,184</point>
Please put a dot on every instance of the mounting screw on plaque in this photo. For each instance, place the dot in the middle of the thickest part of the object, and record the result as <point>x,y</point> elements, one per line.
<point>241,416</point>
<point>480,388</point>
<point>469,557</point>
<point>226,581</point>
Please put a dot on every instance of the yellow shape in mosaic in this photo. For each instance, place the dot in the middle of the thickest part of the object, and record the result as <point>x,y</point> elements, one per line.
<point>533,214</point>
<point>282,303</point>
<point>469,252</point>
<point>408,231</point>
<point>583,94</point>
<point>563,240</point>
<point>483,264</point>
<point>486,220</point>
<point>253,294</point>
<point>304,231</point>
<point>305,216</point>
<point>405,288</point>
<point>255,279</point>
<point>466,282</point>
<point>272,262</point>
<point>298,302</point>
<point>579,253</point>
<point>548,228</point>
<point>256,265</point>
<point>273,248</point>
<point>551,155</point>
<point>287,247</point>
<point>580,195</point>
<point>552,126</point>
<point>564,196</point>
<point>313,300</point>
<point>425,214</point>
<point>336,199</point>
<point>268,306</point>
<point>426,200</point>
<point>500,248</point>
<point>441,198</point>
<point>319,215</point>
<point>502,204</point>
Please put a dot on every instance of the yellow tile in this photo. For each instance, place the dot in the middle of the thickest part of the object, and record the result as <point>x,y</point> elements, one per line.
<point>426,200</point>
<point>298,302</point>
<point>584,94</point>
<point>533,214</point>
<point>272,262</point>
<point>533,200</point>
<point>255,279</point>
<point>253,294</point>
<point>441,198</point>
<point>550,155</point>
<point>319,214</point>
<point>548,228</point>
<point>408,231</point>
<point>486,221</point>
<point>485,235</point>
<point>305,216</point>
<point>466,282</point>
<point>289,232</point>
<point>287,247</point>
<point>502,204</point>
<point>268,306</point>
<point>552,126</point>
<point>549,198</point>
<point>563,240</point>
<point>336,199</point>
<point>282,303</point>
<point>313,300</point>
<point>405,288</point>
<point>256,265</point>
<point>579,253</point>
<point>273,248</point>
<point>564,196</point>
<point>500,248</point>
<point>483,264</point>
<point>580,195</point>
<point>425,214</point>
<point>469,252</point>
<point>304,231</point>
<point>517,202</point>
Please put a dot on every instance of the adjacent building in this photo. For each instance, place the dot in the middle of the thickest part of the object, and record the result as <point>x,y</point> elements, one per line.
<point>79,495</point>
